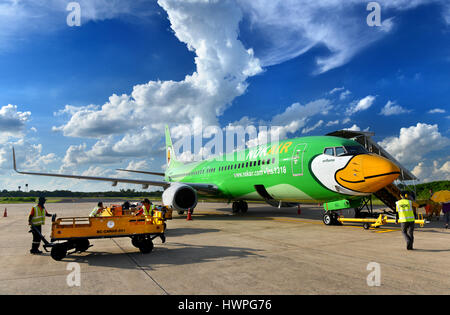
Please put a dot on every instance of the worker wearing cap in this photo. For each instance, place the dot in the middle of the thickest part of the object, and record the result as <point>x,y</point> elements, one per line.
<point>405,215</point>
<point>148,207</point>
<point>36,219</point>
<point>97,210</point>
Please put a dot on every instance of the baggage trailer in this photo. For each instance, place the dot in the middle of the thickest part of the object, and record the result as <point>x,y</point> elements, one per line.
<point>75,232</point>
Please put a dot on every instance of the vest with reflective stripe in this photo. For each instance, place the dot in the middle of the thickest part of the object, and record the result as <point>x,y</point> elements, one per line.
<point>149,210</point>
<point>39,216</point>
<point>94,212</point>
<point>405,211</point>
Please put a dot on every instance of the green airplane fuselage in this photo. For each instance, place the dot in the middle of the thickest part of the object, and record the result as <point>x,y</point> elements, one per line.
<point>283,168</point>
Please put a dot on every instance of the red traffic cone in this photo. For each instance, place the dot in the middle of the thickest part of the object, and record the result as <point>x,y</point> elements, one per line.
<point>5,214</point>
<point>189,216</point>
<point>299,211</point>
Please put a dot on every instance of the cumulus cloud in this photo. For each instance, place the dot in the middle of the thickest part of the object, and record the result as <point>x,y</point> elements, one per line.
<point>12,122</point>
<point>208,28</point>
<point>414,143</point>
<point>391,108</point>
<point>427,171</point>
<point>353,128</point>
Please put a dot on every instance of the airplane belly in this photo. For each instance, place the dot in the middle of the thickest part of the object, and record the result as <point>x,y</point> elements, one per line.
<point>287,192</point>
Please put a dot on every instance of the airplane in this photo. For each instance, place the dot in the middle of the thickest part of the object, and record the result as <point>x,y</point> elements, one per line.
<point>337,172</point>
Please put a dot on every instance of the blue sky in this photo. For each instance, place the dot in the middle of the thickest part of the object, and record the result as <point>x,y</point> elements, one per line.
<point>92,98</point>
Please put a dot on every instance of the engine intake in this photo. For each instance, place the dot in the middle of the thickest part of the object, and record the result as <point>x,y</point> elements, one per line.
<point>180,197</point>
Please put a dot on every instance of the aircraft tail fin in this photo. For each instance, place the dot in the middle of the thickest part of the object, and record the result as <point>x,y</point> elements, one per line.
<point>171,159</point>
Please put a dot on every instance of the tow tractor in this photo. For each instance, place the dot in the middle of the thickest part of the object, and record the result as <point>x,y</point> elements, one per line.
<point>377,222</point>
<point>75,232</point>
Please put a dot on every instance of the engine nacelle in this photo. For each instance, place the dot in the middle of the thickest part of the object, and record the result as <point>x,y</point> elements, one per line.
<point>180,197</point>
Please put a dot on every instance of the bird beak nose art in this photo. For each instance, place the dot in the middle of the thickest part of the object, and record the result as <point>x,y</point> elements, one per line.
<point>367,173</point>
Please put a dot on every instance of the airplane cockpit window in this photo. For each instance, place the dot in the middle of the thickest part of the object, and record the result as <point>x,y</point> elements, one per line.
<point>355,149</point>
<point>329,151</point>
<point>339,151</point>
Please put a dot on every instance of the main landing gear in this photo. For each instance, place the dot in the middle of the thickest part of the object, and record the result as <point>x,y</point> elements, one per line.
<point>331,218</point>
<point>240,206</point>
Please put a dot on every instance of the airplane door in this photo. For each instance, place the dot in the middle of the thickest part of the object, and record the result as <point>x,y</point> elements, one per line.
<point>297,159</point>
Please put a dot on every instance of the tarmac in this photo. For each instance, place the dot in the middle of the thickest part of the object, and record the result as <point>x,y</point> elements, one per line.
<point>265,251</point>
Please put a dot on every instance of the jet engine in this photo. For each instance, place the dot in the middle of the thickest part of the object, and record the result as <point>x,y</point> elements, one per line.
<point>180,197</point>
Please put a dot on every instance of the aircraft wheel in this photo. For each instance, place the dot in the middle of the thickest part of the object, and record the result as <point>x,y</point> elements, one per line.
<point>244,206</point>
<point>180,212</point>
<point>366,226</point>
<point>328,219</point>
<point>236,207</point>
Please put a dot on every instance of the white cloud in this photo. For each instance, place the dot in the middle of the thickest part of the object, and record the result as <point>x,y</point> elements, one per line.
<point>12,122</point>
<point>415,142</point>
<point>353,128</point>
<point>437,111</point>
<point>210,29</point>
<point>336,90</point>
<point>391,108</point>
<point>432,171</point>
<point>315,126</point>
<point>344,95</point>
<point>361,105</point>
<point>332,123</point>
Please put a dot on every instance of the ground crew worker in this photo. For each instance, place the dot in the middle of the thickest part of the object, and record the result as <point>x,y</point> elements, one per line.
<point>97,210</point>
<point>36,219</point>
<point>147,208</point>
<point>405,215</point>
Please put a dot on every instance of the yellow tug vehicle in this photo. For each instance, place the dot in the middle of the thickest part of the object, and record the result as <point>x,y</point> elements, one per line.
<point>75,232</point>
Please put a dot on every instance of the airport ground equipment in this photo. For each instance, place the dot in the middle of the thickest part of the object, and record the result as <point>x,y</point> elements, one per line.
<point>381,220</point>
<point>75,232</point>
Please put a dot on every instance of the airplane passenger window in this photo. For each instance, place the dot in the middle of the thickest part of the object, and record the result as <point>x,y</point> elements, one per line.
<point>259,162</point>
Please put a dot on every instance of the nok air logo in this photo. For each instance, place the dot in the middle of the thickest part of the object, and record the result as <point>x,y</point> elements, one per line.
<point>169,149</point>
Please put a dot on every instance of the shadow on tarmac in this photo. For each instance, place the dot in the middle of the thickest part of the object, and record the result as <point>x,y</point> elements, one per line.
<point>183,254</point>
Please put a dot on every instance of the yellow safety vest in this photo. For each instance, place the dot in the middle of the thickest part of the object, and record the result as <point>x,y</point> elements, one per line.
<point>39,216</point>
<point>148,211</point>
<point>94,212</point>
<point>405,211</point>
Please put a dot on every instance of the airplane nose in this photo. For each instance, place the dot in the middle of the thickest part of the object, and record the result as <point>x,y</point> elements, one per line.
<point>367,173</point>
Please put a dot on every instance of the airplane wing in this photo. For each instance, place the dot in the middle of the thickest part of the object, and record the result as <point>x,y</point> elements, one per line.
<point>207,188</point>
<point>142,172</point>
